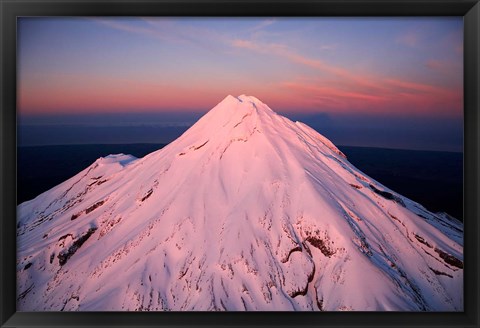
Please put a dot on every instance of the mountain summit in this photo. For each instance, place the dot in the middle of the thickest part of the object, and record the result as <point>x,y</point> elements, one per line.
<point>246,210</point>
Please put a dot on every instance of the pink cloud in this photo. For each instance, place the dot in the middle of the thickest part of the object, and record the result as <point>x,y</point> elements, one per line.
<point>448,70</point>
<point>410,39</point>
<point>285,52</point>
<point>384,95</point>
<point>436,65</point>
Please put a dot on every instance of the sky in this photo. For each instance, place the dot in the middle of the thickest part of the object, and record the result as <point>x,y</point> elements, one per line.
<point>383,82</point>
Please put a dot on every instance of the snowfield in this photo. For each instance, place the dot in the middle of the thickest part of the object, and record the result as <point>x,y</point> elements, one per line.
<point>246,210</point>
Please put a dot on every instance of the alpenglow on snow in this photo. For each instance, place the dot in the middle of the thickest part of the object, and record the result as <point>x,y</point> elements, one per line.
<point>246,210</point>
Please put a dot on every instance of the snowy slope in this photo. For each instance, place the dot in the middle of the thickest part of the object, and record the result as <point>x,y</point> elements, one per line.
<point>246,210</point>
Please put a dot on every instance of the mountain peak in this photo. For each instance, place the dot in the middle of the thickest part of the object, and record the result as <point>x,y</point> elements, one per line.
<point>234,113</point>
<point>250,99</point>
<point>243,102</point>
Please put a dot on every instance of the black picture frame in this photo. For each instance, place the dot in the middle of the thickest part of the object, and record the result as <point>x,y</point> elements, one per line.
<point>10,10</point>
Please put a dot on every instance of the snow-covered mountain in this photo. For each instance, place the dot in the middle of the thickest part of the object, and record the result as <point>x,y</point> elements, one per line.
<point>247,210</point>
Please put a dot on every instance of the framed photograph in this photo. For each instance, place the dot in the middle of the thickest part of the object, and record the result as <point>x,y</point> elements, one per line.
<point>196,163</point>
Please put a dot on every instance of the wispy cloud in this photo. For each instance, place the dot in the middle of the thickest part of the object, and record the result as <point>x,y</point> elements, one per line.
<point>346,89</point>
<point>383,95</point>
<point>442,66</point>
<point>281,50</point>
<point>169,30</point>
<point>410,39</point>
<point>262,25</point>
<point>147,31</point>
<point>323,83</point>
<point>185,32</point>
<point>329,47</point>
